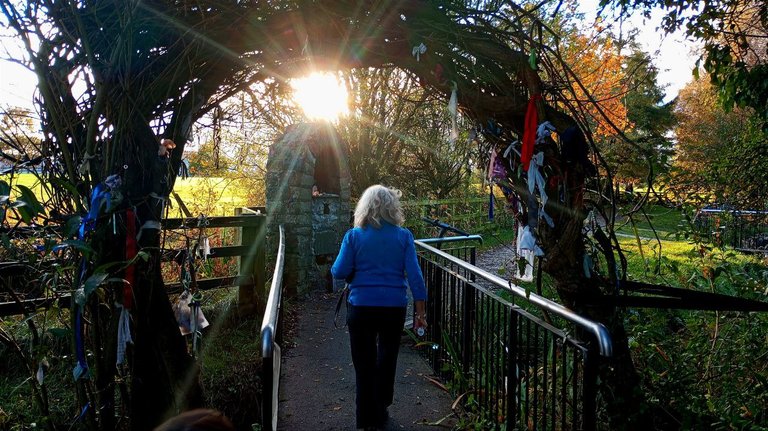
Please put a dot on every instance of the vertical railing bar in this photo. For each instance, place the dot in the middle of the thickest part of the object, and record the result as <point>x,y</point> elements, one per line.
<point>545,379</point>
<point>494,378</point>
<point>528,370</point>
<point>590,388</point>
<point>575,396</point>
<point>512,380</point>
<point>520,365</point>
<point>488,374</point>
<point>555,351</point>
<point>564,388</point>
<point>503,377</point>
<point>535,376</point>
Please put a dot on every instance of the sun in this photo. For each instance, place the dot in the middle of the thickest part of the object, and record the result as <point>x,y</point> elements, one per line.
<point>321,96</point>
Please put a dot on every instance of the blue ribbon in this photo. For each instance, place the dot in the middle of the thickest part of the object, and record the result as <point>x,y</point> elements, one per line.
<point>88,224</point>
<point>100,193</point>
<point>493,128</point>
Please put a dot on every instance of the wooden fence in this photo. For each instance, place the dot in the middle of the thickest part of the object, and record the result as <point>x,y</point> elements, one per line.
<point>248,246</point>
<point>248,250</point>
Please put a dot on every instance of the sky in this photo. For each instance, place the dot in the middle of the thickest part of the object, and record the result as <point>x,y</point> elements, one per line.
<point>672,55</point>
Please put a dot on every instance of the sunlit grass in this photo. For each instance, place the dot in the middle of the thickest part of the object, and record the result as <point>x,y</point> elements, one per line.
<point>212,196</point>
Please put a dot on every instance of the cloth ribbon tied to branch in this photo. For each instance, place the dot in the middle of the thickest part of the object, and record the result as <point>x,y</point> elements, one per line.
<point>544,131</point>
<point>528,242</point>
<point>123,333</point>
<point>99,196</point>
<point>530,127</point>
<point>418,50</point>
<point>453,105</point>
<point>536,181</point>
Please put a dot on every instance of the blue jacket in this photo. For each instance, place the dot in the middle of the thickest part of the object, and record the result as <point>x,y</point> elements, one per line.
<point>380,260</point>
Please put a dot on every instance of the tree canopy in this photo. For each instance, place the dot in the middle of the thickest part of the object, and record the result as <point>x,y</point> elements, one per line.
<point>118,77</point>
<point>735,36</point>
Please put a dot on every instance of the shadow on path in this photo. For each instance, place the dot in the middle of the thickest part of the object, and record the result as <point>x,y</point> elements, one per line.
<point>317,388</point>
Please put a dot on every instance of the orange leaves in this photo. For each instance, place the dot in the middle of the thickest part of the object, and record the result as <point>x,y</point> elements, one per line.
<point>598,64</point>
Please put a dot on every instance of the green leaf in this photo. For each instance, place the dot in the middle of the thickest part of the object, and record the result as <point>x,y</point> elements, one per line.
<point>60,183</point>
<point>72,226</point>
<point>79,245</point>
<point>108,266</point>
<point>28,196</point>
<point>532,59</point>
<point>93,282</point>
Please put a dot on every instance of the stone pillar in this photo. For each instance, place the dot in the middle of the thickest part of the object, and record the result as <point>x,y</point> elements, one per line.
<point>307,154</point>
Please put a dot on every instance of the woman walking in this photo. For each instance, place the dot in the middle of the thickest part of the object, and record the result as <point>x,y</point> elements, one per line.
<point>378,260</point>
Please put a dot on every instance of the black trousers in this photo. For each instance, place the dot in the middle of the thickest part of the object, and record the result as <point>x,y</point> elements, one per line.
<point>374,337</point>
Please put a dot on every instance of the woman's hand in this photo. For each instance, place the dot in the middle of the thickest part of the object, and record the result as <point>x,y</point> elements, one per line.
<point>420,317</point>
<point>420,322</point>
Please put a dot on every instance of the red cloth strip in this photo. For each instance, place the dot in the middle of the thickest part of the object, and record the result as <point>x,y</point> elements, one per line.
<point>529,131</point>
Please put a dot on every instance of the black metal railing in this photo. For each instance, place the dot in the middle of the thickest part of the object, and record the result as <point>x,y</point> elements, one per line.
<point>741,230</point>
<point>271,339</point>
<point>514,369</point>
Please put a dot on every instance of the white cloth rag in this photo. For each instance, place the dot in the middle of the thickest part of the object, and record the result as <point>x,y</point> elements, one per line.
<point>123,334</point>
<point>418,50</point>
<point>528,242</point>
<point>453,105</point>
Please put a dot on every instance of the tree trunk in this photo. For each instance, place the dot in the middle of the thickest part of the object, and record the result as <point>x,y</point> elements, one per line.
<point>165,378</point>
<point>619,383</point>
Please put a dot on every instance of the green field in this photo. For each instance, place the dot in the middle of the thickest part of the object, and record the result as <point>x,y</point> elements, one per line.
<point>211,196</point>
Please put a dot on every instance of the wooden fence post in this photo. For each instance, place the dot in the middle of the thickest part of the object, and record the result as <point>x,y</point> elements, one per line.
<point>252,291</point>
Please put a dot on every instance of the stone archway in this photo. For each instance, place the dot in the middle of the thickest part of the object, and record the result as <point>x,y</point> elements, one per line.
<point>307,158</point>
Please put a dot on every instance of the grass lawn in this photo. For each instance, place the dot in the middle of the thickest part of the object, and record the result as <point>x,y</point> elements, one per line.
<point>212,196</point>
<point>665,221</point>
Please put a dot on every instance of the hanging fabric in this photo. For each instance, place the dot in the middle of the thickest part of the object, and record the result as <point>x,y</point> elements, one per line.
<point>536,181</point>
<point>99,196</point>
<point>188,314</point>
<point>123,333</point>
<point>496,168</point>
<point>453,105</point>
<point>544,131</point>
<point>529,131</point>
<point>528,242</point>
<point>523,258</point>
<point>418,50</point>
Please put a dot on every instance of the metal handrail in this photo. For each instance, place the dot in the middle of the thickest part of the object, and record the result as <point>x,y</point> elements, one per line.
<point>477,238</point>
<point>599,331</point>
<point>269,334</point>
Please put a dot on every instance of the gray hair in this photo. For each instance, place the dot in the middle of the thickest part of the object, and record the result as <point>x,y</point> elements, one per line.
<point>377,203</point>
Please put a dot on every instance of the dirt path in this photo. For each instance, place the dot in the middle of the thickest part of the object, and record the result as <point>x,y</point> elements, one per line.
<point>318,382</point>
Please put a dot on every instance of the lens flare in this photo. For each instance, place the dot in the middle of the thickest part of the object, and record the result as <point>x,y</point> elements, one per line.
<point>321,96</point>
